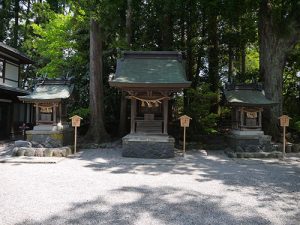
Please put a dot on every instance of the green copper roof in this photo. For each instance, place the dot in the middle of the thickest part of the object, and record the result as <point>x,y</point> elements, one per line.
<point>144,69</point>
<point>247,98</point>
<point>48,93</point>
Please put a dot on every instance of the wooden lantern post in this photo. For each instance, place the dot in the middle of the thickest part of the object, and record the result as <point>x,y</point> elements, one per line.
<point>184,122</point>
<point>75,123</point>
<point>284,122</point>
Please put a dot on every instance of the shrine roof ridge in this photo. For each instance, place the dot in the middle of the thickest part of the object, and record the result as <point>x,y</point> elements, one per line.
<point>152,54</point>
<point>15,53</point>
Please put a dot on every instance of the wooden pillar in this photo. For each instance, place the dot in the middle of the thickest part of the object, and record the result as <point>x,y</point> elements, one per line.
<point>132,115</point>
<point>12,120</point>
<point>54,114</point>
<point>165,101</point>
<point>60,113</point>
<point>242,117</point>
<point>259,118</point>
<point>123,109</point>
<point>36,113</point>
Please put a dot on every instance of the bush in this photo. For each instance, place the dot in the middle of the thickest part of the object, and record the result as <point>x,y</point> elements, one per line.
<point>84,113</point>
<point>200,101</point>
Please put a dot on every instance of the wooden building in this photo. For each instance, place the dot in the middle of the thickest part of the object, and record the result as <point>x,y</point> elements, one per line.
<point>247,102</point>
<point>13,113</point>
<point>149,79</point>
<point>49,98</point>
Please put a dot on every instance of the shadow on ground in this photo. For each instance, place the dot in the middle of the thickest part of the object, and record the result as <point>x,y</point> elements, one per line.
<point>148,205</point>
<point>267,181</point>
<point>280,175</point>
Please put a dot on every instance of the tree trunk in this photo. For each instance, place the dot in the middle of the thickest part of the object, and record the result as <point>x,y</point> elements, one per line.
<point>243,61</point>
<point>167,26</point>
<point>273,48</point>
<point>27,19</point>
<point>96,132</point>
<point>213,54</point>
<point>16,25</point>
<point>129,23</point>
<point>230,63</point>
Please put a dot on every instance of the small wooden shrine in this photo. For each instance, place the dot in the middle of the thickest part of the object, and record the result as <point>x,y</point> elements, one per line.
<point>49,98</point>
<point>149,79</point>
<point>247,102</point>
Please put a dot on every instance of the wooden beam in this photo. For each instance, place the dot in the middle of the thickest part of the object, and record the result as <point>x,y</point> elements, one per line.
<point>36,113</point>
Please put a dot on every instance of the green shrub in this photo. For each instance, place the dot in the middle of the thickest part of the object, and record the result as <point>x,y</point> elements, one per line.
<point>84,113</point>
<point>200,101</point>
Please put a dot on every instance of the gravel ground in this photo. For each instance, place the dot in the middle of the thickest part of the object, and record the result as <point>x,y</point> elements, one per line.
<point>101,187</point>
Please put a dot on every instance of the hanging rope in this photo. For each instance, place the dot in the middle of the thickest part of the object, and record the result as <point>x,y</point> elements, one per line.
<point>149,102</point>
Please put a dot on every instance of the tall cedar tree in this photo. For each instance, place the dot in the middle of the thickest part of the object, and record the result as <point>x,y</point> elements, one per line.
<point>96,132</point>
<point>278,33</point>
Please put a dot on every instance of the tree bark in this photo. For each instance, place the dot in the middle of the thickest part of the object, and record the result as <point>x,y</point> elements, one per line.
<point>16,25</point>
<point>230,63</point>
<point>96,132</point>
<point>213,54</point>
<point>27,19</point>
<point>273,48</point>
<point>129,23</point>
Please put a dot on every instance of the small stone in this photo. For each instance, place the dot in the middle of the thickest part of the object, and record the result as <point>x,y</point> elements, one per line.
<point>63,152</point>
<point>20,152</point>
<point>203,152</point>
<point>21,143</point>
<point>68,150</point>
<point>57,153</point>
<point>29,152</point>
<point>51,143</point>
<point>14,151</point>
<point>48,152</point>
<point>39,153</point>
<point>36,144</point>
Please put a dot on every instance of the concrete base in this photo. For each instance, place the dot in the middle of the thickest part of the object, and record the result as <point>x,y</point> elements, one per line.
<point>249,141</point>
<point>247,132</point>
<point>53,135</point>
<point>44,127</point>
<point>148,146</point>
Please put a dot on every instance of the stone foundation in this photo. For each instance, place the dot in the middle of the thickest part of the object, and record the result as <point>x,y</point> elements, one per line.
<point>250,142</point>
<point>148,146</point>
<point>51,136</point>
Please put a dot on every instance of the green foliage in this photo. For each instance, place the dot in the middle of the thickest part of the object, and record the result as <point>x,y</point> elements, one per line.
<point>200,102</point>
<point>296,126</point>
<point>55,44</point>
<point>84,113</point>
<point>252,59</point>
<point>55,34</point>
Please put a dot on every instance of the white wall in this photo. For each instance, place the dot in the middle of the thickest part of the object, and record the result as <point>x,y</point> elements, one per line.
<point>11,72</point>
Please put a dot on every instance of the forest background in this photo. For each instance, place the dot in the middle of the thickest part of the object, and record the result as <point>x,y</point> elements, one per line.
<point>239,41</point>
